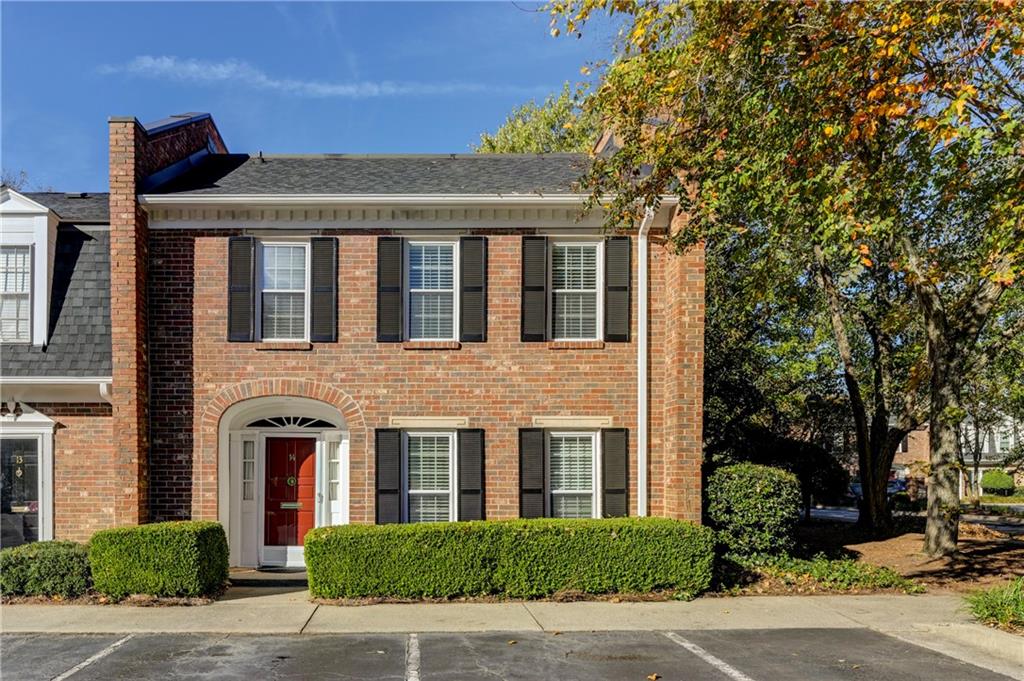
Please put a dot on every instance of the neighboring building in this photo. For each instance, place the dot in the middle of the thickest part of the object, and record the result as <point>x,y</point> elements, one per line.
<point>993,444</point>
<point>282,342</point>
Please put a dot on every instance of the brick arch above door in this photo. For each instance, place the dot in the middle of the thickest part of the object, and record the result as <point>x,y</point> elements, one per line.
<point>205,497</point>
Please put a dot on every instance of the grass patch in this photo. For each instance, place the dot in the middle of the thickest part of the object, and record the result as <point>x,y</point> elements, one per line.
<point>822,573</point>
<point>1001,606</point>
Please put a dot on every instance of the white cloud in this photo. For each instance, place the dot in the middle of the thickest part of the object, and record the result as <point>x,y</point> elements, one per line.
<point>237,72</point>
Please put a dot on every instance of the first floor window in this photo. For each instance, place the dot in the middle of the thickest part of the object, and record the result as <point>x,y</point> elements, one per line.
<point>430,465</point>
<point>431,279</point>
<point>19,496</point>
<point>572,466</point>
<point>15,294</point>
<point>283,291</point>
<point>574,291</point>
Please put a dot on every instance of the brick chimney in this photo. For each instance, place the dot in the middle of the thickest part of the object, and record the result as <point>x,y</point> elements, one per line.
<point>141,157</point>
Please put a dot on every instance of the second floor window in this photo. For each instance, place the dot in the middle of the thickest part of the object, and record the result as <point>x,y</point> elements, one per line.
<point>15,294</point>
<point>574,291</point>
<point>283,286</point>
<point>431,287</point>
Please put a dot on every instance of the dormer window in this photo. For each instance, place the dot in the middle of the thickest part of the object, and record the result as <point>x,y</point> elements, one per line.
<point>16,294</point>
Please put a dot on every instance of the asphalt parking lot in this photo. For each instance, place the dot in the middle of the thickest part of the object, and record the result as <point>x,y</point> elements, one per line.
<point>712,655</point>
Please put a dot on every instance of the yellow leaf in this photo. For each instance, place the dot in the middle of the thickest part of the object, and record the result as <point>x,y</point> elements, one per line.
<point>829,131</point>
<point>866,262</point>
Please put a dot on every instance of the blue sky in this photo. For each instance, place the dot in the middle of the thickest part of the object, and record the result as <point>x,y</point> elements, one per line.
<point>277,77</point>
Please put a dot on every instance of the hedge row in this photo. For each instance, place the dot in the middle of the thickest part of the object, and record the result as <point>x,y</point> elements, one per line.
<point>515,558</point>
<point>161,559</point>
<point>49,568</point>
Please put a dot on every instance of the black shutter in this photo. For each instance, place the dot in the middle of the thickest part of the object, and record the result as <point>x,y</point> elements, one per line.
<point>473,293</point>
<point>616,288</point>
<point>389,475</point>
<point>531,472</point>
<point>241,288</point>
<point>614,472</point>
<point>323,304</point>
<point>534,324</point>
<point>389,289</point>
<point>471,474</point>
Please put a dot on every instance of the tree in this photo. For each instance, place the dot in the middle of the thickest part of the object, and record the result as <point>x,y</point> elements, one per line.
<point>15,180</point>
<point>879,143</point>
<point>557,125</point>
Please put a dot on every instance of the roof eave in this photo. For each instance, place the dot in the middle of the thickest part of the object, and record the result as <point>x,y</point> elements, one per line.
<point>367,199</point>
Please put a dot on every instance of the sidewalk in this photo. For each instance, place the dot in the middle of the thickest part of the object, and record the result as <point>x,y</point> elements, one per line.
<point>937,622</point>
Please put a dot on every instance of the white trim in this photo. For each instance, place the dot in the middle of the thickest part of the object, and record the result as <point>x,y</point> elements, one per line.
<point>596,454</point>
<point>453,462</point>
<point>407,289</point>
<point>598,283</point>
<point>54,380</point>
<point>369,199</point>
<point>260,290</point>
<point>641,365</point>
<point>572,421</point>
<point>40,428</point>
<point>451,422</point>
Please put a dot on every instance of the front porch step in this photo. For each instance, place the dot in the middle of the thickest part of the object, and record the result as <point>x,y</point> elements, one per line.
<point>268,577</point>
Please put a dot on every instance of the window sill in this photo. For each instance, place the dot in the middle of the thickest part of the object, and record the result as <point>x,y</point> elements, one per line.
<point>576,345</point>
<point>431,345</point>
<point>284,345</point>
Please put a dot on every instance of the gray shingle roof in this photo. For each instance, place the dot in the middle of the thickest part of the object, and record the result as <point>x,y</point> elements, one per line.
<point>76,207</point>
<point>351,174</point>
<point>79,328</point>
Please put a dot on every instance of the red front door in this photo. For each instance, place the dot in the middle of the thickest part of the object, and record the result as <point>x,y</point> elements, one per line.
<point>291,484</point>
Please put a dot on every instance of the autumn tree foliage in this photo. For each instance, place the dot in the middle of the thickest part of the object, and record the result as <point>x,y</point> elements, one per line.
<point>879,144</point>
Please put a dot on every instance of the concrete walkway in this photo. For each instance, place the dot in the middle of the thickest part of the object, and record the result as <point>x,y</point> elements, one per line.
<point>937,622</point>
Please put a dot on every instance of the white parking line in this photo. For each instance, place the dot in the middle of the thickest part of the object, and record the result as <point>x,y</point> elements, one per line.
<point>412,658</point>
<point>718,663</point>
<point>88,661</point>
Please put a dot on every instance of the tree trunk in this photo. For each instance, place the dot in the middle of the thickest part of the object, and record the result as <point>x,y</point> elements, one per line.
<point>943,519</point>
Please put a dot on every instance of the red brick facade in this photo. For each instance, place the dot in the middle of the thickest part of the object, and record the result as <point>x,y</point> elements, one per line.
<point>175,374</point>
<point>500,385</point>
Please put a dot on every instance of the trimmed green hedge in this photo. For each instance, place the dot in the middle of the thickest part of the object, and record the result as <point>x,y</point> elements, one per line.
<point>188,558</point>
<point>515,558</point>
<point>46,568</point>
<point>754,508</point>
<point>998,481</point>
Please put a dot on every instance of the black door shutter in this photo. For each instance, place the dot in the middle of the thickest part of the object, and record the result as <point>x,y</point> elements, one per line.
<point>241,288</point>
<point>389,289</point>
<point>534,325</point>
<point>614,472</point>
<point>616,288</point>
<point>531,472</point>
<point>323,304</point>
<point>471,474</point>
<point>473,293</point>
<point>389,475</point>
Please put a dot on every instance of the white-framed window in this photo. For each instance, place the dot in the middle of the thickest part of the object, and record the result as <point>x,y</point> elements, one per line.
<point>248,470</point>
<point>431,278</point>
<point>429,476</point>
<point>573,474</point>
<point>575,272</point>
<point>1004,438</point>
<point>284,290</point>
<point>16,294</point>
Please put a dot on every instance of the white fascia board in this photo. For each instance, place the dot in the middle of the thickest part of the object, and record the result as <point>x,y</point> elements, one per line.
<point>13,202</point>
<point>368,199</point>
<point>54,380</point>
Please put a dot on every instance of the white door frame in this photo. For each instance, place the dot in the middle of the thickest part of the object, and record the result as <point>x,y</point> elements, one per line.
<point>243,520</point>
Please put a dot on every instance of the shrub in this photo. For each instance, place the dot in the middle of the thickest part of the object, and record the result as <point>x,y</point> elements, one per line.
<point>833,574</point>
<point>47,568</point>
<point>515,558</point>
<point>1001,606</point>
<point>754,508</point>
<point>162,559</point>
<point>997,481</point>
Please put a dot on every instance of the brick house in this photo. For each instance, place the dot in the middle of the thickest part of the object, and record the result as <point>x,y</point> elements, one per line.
<point>282,342</point>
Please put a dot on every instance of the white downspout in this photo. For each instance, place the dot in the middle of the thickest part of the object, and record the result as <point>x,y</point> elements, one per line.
<point>641,366</point>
